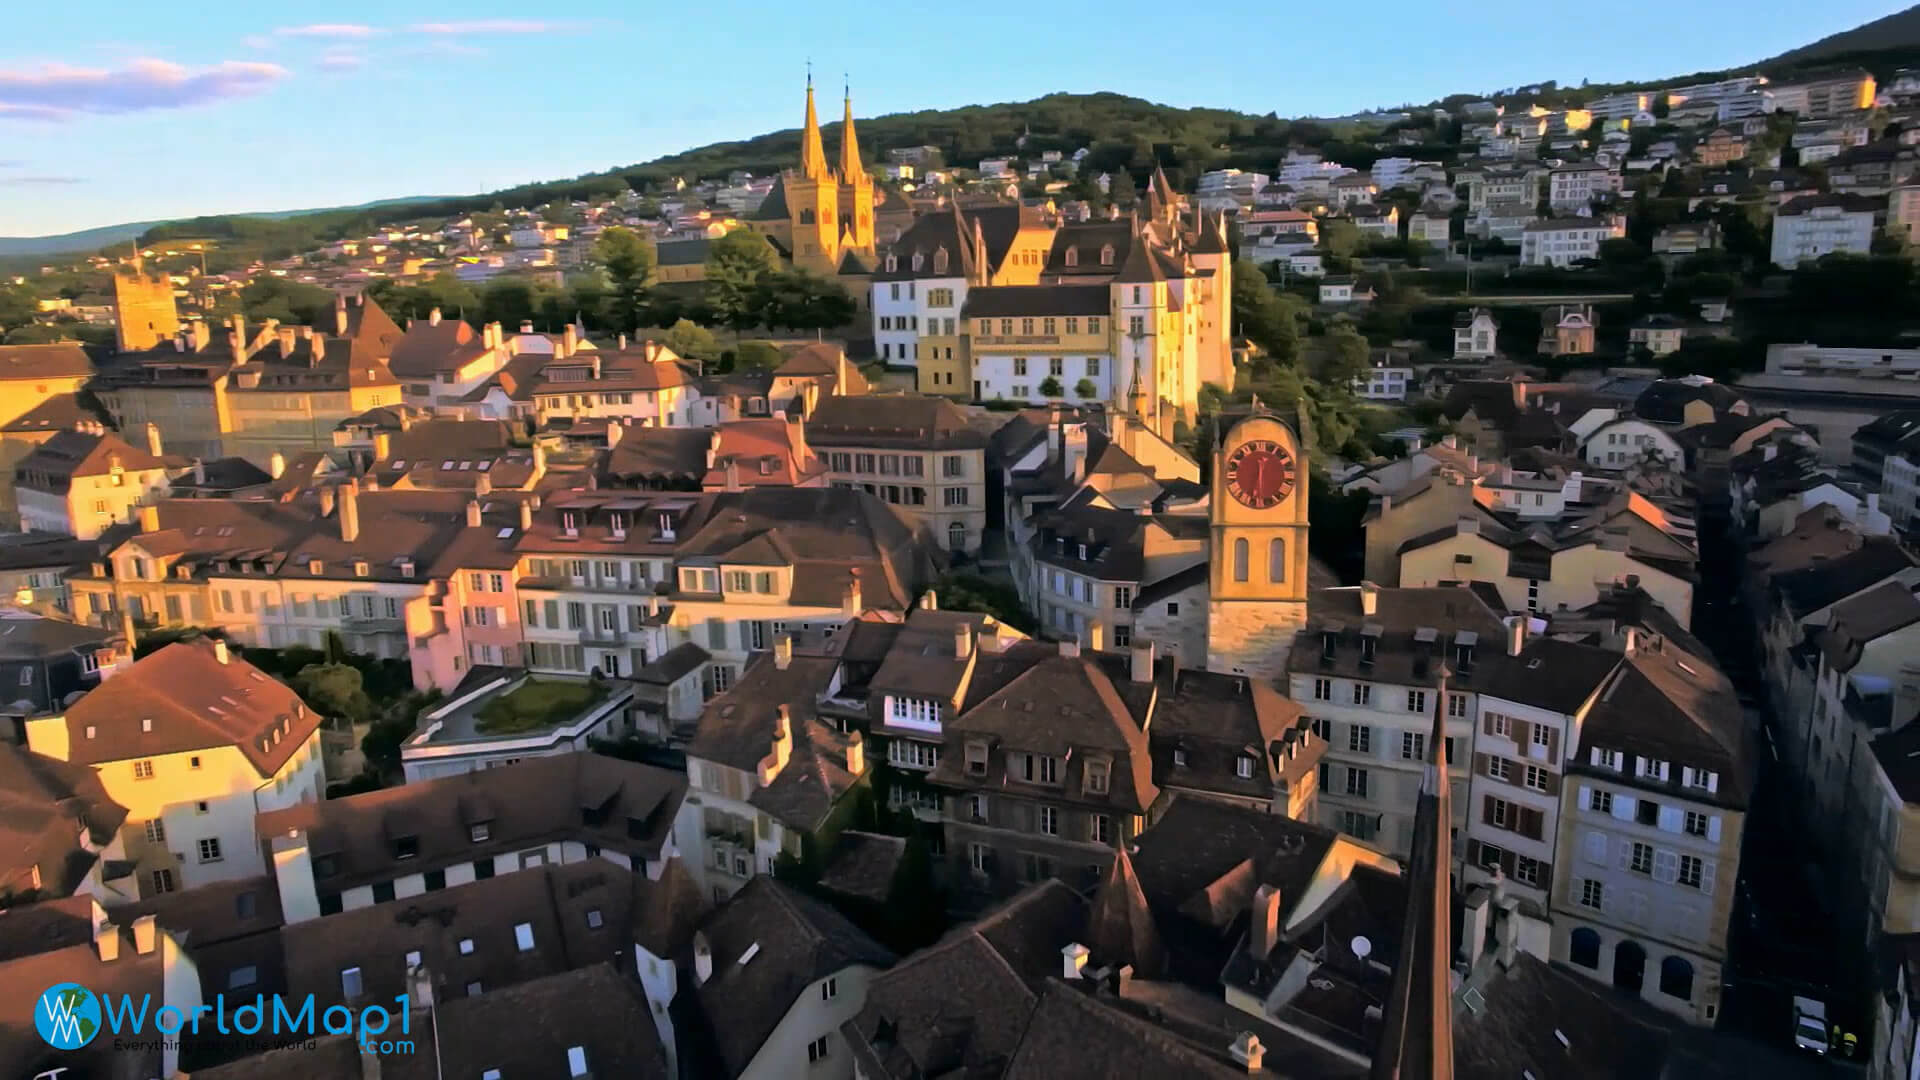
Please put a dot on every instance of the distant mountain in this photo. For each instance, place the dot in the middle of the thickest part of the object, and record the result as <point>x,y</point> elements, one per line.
<point>109,235</point>
<point>1900,30</point>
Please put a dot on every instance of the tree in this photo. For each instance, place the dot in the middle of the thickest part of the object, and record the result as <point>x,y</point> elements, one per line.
<point>1343,359</point>
<point>17,307</point>
<point>1264,317</point>
<point>692,341</point>
<point>757,356</point>
<point>1050,387</point>
<point>628,258</point>
<point>1120,189</point>
<point>797,300</point>
<point>966,592</point>
<point>1340,237</point>
<point>1084,389</point>
<point>737,265</point>
<point>336,690</point>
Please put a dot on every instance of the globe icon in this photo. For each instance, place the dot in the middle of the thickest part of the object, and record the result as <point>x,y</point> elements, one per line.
<point>67,1016</point>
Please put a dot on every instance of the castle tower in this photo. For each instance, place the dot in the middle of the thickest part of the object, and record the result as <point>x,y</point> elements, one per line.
<point>1257,573</point>
<point>144,313</point>
<point>1215,344</point>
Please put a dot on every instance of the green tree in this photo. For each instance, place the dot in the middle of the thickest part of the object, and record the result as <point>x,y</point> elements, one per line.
<point>1342,359</point>
<point>1340,237</point>
<point>757,356</point>
<point>18,307</point>
<point>692,341</point>
<point>1120,189</point>
<point>737,266</point>
<point>291,302</point>
<point>1050,387</point>
<point>1085,389</point>
<point>968,592</point>
<point>628,258</point>
<point>335,690</point>
<point>797,300</point>
<point>509,301</point>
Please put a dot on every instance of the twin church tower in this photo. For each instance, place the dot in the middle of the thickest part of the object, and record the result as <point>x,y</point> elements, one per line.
<point>822,216</point>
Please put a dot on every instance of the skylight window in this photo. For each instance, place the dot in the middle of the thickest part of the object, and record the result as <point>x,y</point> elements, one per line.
<point>399,463</point>
<point>484,466</point>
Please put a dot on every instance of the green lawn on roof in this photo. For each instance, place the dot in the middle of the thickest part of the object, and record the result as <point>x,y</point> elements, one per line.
<point>536,703</point>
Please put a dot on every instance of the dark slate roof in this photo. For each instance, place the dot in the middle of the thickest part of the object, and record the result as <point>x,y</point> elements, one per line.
<point>1859,620</point>
<point>225,474</point>
<point>1491,400</point>
<point>1549,673</point>
<point>1662,703</point>
<point>736,729</point>
<point>862,865</point>
<point>1524,1010</point>
<point>1418,627</point>
<point>528,1029</point>
<point>45,804</point>
<point>661,452</point>
<point>674,664</point>
<point>995,301</point>
<point>1075,1036</point>
<point>58,360</point>
<point>1814,587</point>
<point>1120,928</point>
<point>797,940</point>
<point>892,421</point>
<point>1665,401</point>
<point>774,206</point>
<point>684,252</point>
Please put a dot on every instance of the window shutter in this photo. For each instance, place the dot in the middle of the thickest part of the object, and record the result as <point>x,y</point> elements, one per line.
<point>1713,782</point>
<point>1586,797</point>
<point>1486,809</point>
<point>1623,857</point>
<point>1596,847</point>
<point>1623,807</point>
<point>1713,828</point>
<point>1666,866</point>
<point>1553,746</point>
<point>1706,876</point>
<point>1686,775</point>
<point>1486,723</point>
<point>1670,819</point>
<point>1593,755</point>
<point>1480,764</point>
<point>1531,823</point>
<point>1521,730</point>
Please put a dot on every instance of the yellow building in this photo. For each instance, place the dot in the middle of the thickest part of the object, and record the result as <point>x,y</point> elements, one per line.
<point>821,217</point>
<point>1257,573</point>
<point>179,387</point>
<point>144,312</point>
<point>37,388</point>
<point>292,393</point>
<point>86,481</point>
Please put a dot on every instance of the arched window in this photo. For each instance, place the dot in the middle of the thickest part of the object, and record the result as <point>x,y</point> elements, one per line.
<point>1240,559</point>
<point>956,537</point>
<point>1584,948</point>
<point>1676,978</point>
<point>1106,255</point>
<point>1277,560</point>
<point>893,263</point>
<point>940,261</point>
<point>917,260</point>
<point>806,217</point>
<point>1073,256</point>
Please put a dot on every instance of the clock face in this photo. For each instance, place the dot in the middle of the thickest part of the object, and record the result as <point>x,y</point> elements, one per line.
<point>1260,473</point>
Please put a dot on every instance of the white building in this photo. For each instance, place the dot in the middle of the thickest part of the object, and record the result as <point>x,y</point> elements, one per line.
<point>1814,225</point>
<point>1629,440</point>
<point>1564,241</point>
<point>1475,335</point>
<point>1573,188</point>
<point>1385,381</point>
<point>82,482</point>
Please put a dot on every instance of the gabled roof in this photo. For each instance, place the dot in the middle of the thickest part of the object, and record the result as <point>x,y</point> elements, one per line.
<point>73,454</point>
<point>184,697</point>
<point>903,421</point>
<point>1813,587</point>
<point>46,805</point>
<point>59,360</point>
<point>435,345</point>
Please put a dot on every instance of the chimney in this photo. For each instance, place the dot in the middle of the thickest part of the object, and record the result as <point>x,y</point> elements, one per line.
<point>781,748</point>
<point>199,472</point>
<point>1516,634</point>
<point>1097,636</point>
<point>153,440</point>
<point>1369,598</point>
<point>713,450</point>
<point>149,518</point>
<point>1069,648</point>
<point>962,641</point>
<point>128,630</point>
<point>382,445</point>
<point>286,336</point>
<point>202,334</point>
<point>1246,1050</point>
<point>929,601</point>
<point>1476,910</point>
<point>850,600</point>
<point>237,335</point>
<point>106,940</point>
<point>652,350</point>
<point>1632,643</point>
<point>526,326</point>
<point>326,502</point>
<point>594,363</point>
<point>483,484</point>
<point>143,935</point>
<point>1073,961</point>
<point>856,753</point>
<point>1264,932</point>
<point>349,512</point>
<point>615,432</point>
<point>473,513</point>
<point>433,317</point>
<point>702,958</point>
<point>539,460</point>
<point>1143,662</point>
<point>783,651</point>
<point>293,873</point>
<point>733,475</point>
<point>620,343</point>
<point>570,339</point>
<point>526,516</point>
<point>277,464</point>
<point>220,651</point>
<point>340,316</point>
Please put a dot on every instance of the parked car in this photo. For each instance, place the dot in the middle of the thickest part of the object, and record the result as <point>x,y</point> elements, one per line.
<point>1810,1024</point>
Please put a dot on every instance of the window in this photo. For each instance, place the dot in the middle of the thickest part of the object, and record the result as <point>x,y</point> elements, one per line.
<point>1527,871</point>
<point>1456,708</point>
<point>1676,978</point>
<point>1536,778</point>
<point>1360,738</point>
<point>523,936</point>
<point>1096,779</point>
<point>143,769</point>
<point>1500,724</point>
<point>1542,737</point>
<point>953,496</point>
<point>1413,746</point>
<point>350,984</point>
<point>1695,823</point>
<point>210,849</point>
<point>817,1050</point>
<point>1640,858</point>
<point>163,881</point>
<point>1357,782</point>
<point>1276,560</point>
<point>1603,801</point>
<point>1019,365</point>
<point>1416,701</point>
<point>1690,867</point>
<point>156,831</point>
<point>1240,559</point>
<point>1050,821</point>
<point>1323,689</point>
<point>382,892</point>
<point>1584,948</point>
<point>1591,895</point>
<point>1362,693</point>
<point>1093,362</point>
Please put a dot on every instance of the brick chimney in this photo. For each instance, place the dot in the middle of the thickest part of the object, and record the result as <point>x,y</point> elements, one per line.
<point>340,316</point>
<point>856,753</point>
<point>781,748</point>
<point>570,339</point>
<point>349,512</point>
<point>473,513</point>
<point>220,651</point>
<point>106,940</point>
<point>1516,634</point>
<point>850,599</point>
<point>1264,931</point>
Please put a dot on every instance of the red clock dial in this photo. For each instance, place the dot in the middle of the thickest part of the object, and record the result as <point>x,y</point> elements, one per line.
<point>1260,473</point>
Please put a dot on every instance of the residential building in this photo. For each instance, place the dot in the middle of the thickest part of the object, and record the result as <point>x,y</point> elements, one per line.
<point>440,360</point>
<point>194,742</point>
<point>64,832</point>
<point>1567,330</point>
<point>45,661</point>
<point>1651,818</point>
<point>82,483</point>
<point>1721,146</point>
<point>1658,334</point>
<point>1475,335</point>
<point>921,282</point>
<point>34,566</point>
<point>1573,189</point>
<point>1823,97</point>
<point>1903,208</point>
<point>1382,222</point>
<point>1682,239</point>
<point>1621,442</point>
<point>648,386</point>
<point>1565,241</point>
<point>292,392</point>
<point>911,451</point>
<point>1389,377</point>
<point>497,716</point>
<point>37,388</point>
<point>1432,225</point>
<point>1806,228</point>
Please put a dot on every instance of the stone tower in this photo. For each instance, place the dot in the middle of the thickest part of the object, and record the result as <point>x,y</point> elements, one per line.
<point>1257,577</point>
<point>144,313</point>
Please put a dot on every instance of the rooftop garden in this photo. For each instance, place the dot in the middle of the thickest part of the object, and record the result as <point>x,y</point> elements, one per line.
<point>536,704</point>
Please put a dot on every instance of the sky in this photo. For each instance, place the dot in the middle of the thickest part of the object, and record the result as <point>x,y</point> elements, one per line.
<point>127,110</point>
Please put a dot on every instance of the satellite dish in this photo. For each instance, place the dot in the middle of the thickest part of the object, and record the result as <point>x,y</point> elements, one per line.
<point>1361,946</point>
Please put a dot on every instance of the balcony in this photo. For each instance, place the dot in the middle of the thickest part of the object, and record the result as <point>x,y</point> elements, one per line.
<point>363,624</point>
<point>594,636</point>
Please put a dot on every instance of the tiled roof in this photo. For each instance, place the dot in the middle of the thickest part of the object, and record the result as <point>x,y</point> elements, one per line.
<point>737,729</point>
<point>184,698</point>
<point>893,421</point>
<point>45,804</point>
<point>72,454</point>
<point>59,360</point>
<point>998,301</point>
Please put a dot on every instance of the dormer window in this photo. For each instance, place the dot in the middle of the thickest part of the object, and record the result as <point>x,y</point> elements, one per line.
<point>1653,769</point>
<point>1700,779</point>
<point>1329,642</point>
<point>1073,256</point>
<point>1098,770</point>
<point>940,261</point>
<point>1243,767</point>
<point>917,260</point>
<point>569,523</point>
<point>1369,647</point>
<point>1106,255</point>
<point>617,522</point>
<point>360,568</point>
<point>406,847</point>
<point>976,759</point>
<point>893,263</point>
<point>666,526</point>
<point>315,566</point>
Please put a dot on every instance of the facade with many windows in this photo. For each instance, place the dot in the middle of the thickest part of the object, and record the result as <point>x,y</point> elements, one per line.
<point>914,452</point>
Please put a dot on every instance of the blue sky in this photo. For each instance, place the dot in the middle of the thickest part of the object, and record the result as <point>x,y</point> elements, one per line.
<point>119,110</point>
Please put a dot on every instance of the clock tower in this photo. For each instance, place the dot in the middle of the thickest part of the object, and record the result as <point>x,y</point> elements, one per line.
<point>1257,577</point>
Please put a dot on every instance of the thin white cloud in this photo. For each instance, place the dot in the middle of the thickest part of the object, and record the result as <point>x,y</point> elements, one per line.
<point>341,31</point>
<point>61,91</point>
<point>23,181</point>
<point>494,26</point>
<point>339,59</point>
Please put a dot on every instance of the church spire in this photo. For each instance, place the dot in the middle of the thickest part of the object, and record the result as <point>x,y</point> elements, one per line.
<point>1416,1036</point>
<point>813,154</point>
<point>850,170</point>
